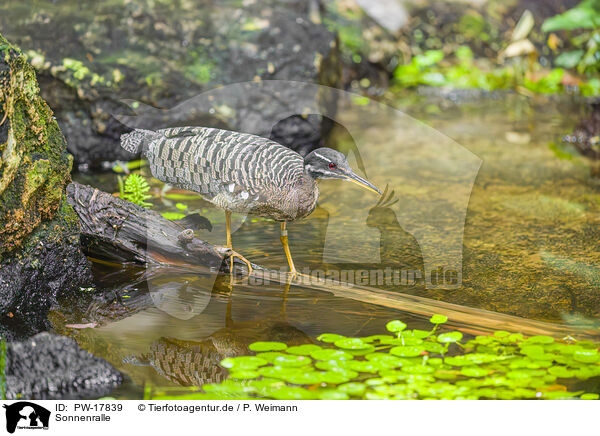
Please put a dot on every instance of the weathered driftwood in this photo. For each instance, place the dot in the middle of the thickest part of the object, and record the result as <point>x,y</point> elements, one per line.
<point>115,229</point>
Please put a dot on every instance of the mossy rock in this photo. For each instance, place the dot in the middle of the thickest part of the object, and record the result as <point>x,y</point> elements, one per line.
<point>34,168</point>
<point>39,231</point>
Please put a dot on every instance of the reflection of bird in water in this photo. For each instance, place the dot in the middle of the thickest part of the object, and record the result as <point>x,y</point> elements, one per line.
<point>242,173</point>
<point>397,246</point>
<point>195,363</point>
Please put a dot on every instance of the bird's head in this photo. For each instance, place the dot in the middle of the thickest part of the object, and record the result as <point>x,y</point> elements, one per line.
<point>326,163</point>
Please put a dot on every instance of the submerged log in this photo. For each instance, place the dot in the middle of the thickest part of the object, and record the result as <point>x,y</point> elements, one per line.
<point>115,229</point>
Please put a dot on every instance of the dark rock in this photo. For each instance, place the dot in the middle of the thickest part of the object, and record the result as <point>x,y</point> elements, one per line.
<point>91,58</point>
<point>30,283</point>
<point>49,366</point>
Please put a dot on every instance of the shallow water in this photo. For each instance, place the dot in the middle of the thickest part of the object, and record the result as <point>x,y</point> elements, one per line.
<point>530,245</point>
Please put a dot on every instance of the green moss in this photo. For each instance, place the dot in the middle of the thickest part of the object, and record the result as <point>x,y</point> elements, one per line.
<point>35,167</point>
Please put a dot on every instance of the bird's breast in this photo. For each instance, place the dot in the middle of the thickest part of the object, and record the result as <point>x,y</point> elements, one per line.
<point>289,203</point>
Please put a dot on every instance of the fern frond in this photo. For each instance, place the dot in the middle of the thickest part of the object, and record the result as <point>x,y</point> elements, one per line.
<point>135,190</point>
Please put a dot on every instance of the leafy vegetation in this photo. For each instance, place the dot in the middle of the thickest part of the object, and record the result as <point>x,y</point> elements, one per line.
<point>584,19</point>
<point>135,190</point>
<point>577,48</point>
<point>410,364</point>
<point>463,72</point>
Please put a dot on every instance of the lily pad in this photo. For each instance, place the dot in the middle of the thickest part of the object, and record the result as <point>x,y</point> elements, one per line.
<point>406,351</point>
<point>438,319</point>
<point>270,356</point>
<point>291,393</point>
<point>352,388</point>
<point>351,344</point>
<point>305,378</point>
<point>329,354</point>
<point>303,350</point>
<point>474,371</point>
<point>338,376</point>
<point>244,375</point>
<point>364,366</point>
<point>586,356</point>
<point>333,394</point>
<point>395,326</point>
<point>540,339</point>
<point>267,346</point>
<point>292,361</point>
<point>329,337</point>
<point>243,363</point>
<point>450,337</point>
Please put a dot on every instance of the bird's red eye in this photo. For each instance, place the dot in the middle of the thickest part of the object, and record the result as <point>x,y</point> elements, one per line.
<point>332,166</point>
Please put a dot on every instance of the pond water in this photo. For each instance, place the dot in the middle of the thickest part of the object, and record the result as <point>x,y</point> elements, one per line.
<point>530,249</point>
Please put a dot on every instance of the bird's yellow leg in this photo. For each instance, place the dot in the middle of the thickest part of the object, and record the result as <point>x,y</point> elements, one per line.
<point>230,245</point>
<point>286,248</point>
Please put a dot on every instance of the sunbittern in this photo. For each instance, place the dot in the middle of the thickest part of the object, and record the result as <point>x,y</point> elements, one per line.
<point>242,173</point>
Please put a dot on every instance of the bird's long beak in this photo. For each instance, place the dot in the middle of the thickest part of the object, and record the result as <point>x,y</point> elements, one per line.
<point>351,177</point>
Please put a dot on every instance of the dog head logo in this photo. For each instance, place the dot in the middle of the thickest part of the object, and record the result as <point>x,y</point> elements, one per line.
<point>26,415</point>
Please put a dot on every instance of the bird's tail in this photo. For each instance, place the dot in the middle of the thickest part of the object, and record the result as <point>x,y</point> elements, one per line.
<point>138,140</point>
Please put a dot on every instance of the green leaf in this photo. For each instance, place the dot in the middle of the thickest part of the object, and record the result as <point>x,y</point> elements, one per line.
<point>244,375</point>
<point>561,372</point>
<point>364,366</point>
<point>474,371</point>
<point>135,189</point>
<point>303,350</point>
<point>304,378</point>
<point>438,319</point>
<point>450,337</point>
<point>183,197</point>
<point>351,344</point>
<point>338,376</point>
<point>329,337</point>
<point>328,354</point>
<point>583,16</point>
<point>270,356</point>
<point>539,340</point>
<point>421,334</point>
<point>406,351</point>
<point>292,361</point>
<point>569,59</point>
<point>267,346</point>
<point>333,394</point>
<point>291,393</point>
<point>395,326</point>
<point>173,215</point>
<point>352,388</point>
<point>385,360</point>
<point>586,356</point>
<point>429,58</point>
<point>243,363</point>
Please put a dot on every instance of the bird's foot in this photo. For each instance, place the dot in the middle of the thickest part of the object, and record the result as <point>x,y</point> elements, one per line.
<point>243,259</point>
<point>293,274</point>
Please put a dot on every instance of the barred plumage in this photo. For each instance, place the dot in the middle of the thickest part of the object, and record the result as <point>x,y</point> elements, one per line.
<point>237,172</point>
<point>242,173</point>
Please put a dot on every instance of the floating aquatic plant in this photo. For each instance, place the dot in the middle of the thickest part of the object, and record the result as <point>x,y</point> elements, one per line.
<point>411,364</point>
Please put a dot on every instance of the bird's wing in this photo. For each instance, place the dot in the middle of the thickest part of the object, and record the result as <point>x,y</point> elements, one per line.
<point>214,161</point>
